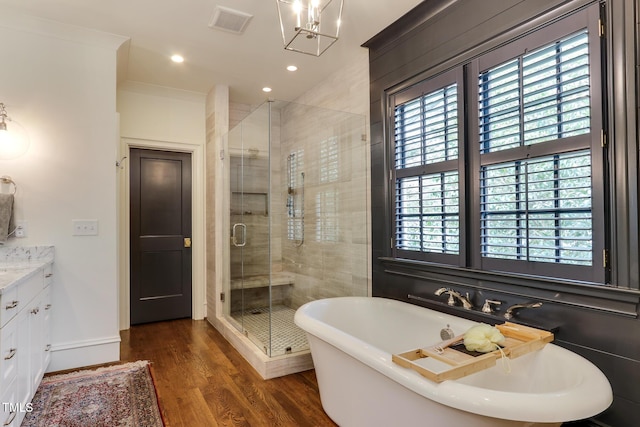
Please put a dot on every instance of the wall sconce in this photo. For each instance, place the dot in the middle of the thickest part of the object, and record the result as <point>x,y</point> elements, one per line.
<point>13,137</point>
<point>309,26</point>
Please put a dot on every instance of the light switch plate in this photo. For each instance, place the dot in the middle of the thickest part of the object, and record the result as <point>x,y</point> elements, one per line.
<point>85,227</point>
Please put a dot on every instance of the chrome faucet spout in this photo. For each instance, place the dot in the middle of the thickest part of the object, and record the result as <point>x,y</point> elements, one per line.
<point>464,299</point>
<point>453,295</point>
<point>447,291</point>
<point>511,310</point>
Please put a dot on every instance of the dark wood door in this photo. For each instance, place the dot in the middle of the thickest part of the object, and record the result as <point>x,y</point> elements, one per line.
<point>160,204</point>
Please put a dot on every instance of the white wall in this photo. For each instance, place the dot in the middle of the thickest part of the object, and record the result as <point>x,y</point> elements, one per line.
<point>161,118</point>
<point>161,114</point>
<point>60,83</point>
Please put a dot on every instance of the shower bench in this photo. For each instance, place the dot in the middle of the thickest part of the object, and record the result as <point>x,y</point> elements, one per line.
<point>262,281</point>
<point>254,292</point>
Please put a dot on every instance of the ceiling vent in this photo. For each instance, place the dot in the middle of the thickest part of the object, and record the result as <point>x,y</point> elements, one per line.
<point>230,20</point>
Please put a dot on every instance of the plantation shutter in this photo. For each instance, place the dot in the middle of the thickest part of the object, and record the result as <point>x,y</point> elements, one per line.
<point>426,153</point>
<point>537,209</point>
<point>541,96</point>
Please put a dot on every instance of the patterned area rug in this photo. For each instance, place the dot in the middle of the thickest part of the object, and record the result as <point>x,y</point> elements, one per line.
<point>121,395</point>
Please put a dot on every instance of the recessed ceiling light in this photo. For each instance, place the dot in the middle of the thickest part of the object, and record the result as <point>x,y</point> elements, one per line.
<point>266,89</point>
<point>177,58</point>
<point>292,68</point>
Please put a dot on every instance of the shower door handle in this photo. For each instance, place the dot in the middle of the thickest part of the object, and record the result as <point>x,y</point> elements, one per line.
<point>234,236</point>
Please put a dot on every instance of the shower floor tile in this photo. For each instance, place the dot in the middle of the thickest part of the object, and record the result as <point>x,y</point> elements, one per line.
<point>286,337</point>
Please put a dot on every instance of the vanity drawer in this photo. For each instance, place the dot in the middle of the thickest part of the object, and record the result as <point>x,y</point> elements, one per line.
<point>9,413</point>
<point>30,287</point>
<point>9,305</point>
<point>8,353</point>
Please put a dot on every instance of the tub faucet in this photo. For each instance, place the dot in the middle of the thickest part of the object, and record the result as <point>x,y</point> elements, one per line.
<point>453,295</point>
<point>510,311</point>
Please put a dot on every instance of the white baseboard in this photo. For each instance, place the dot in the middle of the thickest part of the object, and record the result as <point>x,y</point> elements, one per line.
<point>84,353</point>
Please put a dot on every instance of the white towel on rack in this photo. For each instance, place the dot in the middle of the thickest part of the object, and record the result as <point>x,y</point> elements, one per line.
<point>6,216</point>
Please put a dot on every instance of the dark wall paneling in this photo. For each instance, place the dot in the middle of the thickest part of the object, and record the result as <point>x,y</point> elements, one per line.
<point>598,322</point>
<point>450,34</point>
<point>624,99</point>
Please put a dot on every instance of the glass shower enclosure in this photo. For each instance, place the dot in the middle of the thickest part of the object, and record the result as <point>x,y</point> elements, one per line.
<point>297,217</point>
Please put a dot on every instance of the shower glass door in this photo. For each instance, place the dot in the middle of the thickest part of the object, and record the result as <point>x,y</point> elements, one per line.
<point>250,270</point>
<point>297,225</point>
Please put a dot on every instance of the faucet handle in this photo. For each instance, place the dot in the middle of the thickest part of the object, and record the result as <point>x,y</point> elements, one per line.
<point>487,308</point>
<point>451,301</point>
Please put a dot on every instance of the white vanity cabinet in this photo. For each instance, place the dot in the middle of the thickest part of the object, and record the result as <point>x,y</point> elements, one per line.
<point>24,339</point>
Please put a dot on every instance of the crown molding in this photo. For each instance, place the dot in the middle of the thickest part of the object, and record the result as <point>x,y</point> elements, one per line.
<point>14,20</point>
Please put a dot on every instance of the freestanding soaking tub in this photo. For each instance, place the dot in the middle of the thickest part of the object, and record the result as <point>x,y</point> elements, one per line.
<point>352,340</point>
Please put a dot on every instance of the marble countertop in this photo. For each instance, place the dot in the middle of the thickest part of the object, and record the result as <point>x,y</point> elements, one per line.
<point>19,263</point>
<point>11,276</point>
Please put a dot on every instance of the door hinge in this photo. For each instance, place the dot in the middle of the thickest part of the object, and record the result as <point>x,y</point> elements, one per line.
<point>391,242</point>
<point>221,296</point>
<point>605,258</point>
<point>601,29</point>
<point>603,138</point>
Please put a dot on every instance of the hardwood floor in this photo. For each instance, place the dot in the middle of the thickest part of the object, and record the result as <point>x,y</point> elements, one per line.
<point>203,381</point>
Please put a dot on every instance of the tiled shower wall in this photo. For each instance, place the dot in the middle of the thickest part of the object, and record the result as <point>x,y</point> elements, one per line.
<point>327,253</point>
<point>334,258</point>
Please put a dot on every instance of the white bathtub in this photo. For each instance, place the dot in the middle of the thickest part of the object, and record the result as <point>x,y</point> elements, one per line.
<point>352,340</point>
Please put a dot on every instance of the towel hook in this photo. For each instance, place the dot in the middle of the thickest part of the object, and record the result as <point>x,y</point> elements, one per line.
<point>120,163</point>
<point>7,180</point>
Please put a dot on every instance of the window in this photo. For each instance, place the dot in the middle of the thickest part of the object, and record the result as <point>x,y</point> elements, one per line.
<point>427,200</point>
<point>532,199</point>
<point>329,160</point>
<point>537,97</point>
<point>426,128</point>
<point>427,217</point>
<point>538,209</point>
<point>327,214</point>
<point>295,196</point>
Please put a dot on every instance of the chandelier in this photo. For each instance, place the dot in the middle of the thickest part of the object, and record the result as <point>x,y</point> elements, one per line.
<point>309,26</point>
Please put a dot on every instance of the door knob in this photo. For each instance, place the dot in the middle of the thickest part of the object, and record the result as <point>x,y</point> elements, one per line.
<point>187,242</point>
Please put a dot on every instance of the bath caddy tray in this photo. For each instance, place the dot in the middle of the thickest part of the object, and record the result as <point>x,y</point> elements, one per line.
<point>460,362</point>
